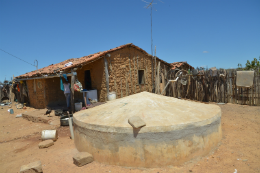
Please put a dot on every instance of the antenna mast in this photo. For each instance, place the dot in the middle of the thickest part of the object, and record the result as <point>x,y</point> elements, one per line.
<point>152,27</point>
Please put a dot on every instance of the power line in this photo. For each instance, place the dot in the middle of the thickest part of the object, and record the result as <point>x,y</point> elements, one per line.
<point>16,57</point>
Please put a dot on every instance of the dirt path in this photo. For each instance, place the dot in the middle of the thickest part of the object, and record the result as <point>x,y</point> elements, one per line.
<point>239,149</point>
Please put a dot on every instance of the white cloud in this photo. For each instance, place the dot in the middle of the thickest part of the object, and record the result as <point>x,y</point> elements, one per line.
<point>205,51</point>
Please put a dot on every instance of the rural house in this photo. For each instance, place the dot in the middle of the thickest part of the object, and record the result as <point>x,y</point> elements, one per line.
<point>125,70</point>
<point>181,66</point>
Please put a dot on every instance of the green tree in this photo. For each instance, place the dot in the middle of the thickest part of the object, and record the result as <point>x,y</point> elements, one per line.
<point>253,65</point>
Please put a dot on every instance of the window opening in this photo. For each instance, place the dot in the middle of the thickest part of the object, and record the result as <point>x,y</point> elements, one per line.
<point>140,76</point>
<point>88,85</point>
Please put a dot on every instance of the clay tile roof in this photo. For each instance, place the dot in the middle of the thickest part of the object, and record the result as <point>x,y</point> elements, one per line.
<point>77,62</point>
<point>179,64</point>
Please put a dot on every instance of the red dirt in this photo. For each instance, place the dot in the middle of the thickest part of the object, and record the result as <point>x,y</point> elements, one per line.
<point>239,148</point>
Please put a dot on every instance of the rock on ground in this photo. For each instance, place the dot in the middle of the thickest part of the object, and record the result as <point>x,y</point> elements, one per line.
<point>136,122</point>
<point>82,158</point>
<point>32,167</point>
<point>46,144</point>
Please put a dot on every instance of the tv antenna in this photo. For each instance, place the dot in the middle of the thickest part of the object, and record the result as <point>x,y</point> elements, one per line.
<point>37,64</point>
<point>150,5</point>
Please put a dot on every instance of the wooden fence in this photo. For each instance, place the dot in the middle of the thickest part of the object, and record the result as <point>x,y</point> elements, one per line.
<point>221,88</point>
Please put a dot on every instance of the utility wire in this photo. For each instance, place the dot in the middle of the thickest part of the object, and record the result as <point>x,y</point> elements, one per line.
<point>16,57</point>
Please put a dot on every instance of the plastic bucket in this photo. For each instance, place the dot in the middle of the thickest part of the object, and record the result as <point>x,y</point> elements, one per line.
<point>111,96</point>
<point>50,134</point>
<point>78,106</point>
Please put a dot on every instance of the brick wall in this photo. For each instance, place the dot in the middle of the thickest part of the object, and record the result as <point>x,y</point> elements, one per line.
<point>36,93</point>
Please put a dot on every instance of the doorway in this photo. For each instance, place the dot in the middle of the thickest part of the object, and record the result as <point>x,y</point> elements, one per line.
<point>88,85</point>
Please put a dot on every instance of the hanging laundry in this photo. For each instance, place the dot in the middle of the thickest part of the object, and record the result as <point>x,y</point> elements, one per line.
<point>76,87</point>
<point>61,84</point>
<point>24,90</point>
<point>18,88</point>
<point>213,71</point>
<point>245,78</point>
<point>65,77</point>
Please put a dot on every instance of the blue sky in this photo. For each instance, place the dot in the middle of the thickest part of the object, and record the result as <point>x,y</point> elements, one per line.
<point>219,33</point>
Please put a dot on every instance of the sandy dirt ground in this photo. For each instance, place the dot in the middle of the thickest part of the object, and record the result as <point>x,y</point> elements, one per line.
<point>239,148</point>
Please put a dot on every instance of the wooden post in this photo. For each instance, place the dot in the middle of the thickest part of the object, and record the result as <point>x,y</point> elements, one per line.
<point>72,91</point>
<point>258,85</point>
<point>107,76</point>
<point>114,76</point>
<point>255,93</point>
<point>164,79</point>
<point>21,92</point>
<point>158,78</point>
<point>155,68</point>
<point>34,85</point>
<point>134,75</point>
<point>163,84</point>
<point>130,75</point>
<point>197,90</point>
<point>230,87</point>
<point>252,94</point>
<point>236,93</point>
<point>173,89</point>
<point>137,74</point>
<point>126,84</point>
<point>248,96</point>
<point>152,76</point>
<point>234,87</point>
<point>146,75</point>
<point>223,92</point>
<point>121,88</point>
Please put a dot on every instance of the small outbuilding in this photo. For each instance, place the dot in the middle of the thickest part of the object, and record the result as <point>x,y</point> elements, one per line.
<point>176,66</point>
<point>125,70</point>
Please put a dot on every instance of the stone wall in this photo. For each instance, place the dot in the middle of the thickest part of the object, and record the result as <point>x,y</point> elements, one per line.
<point>123,66</point>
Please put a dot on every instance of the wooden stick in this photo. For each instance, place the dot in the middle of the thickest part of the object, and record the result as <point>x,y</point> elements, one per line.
<point>114,76</point>
<point>130,74</point>
<point>135,75</point>
<point>231,87</point>
<point>121,88</point>
<point>126,83</point>
<point>146,75</point>
<point>158,77</point>
<point>162,83</point>
<point>107,78</point>
<point>254,89</point>
<point>258,85</point>
<point>72,91</point>
<point>236,91</point>
<point>152,76</point>
<point>34,85</point>
<point>138,74</point>
<point>155,68</point>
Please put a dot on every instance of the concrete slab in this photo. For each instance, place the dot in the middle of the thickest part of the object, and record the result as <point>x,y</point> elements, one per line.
<point>136,122</point>
<point>46,144</point>
<point>82,158</point>
<point>39,117</point>
<point>32,167</point>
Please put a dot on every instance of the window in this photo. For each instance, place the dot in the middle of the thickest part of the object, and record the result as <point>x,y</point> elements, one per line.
<point>140,76</point>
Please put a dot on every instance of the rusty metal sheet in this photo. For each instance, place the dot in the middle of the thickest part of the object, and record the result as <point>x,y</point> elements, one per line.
<point>245,78</point>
